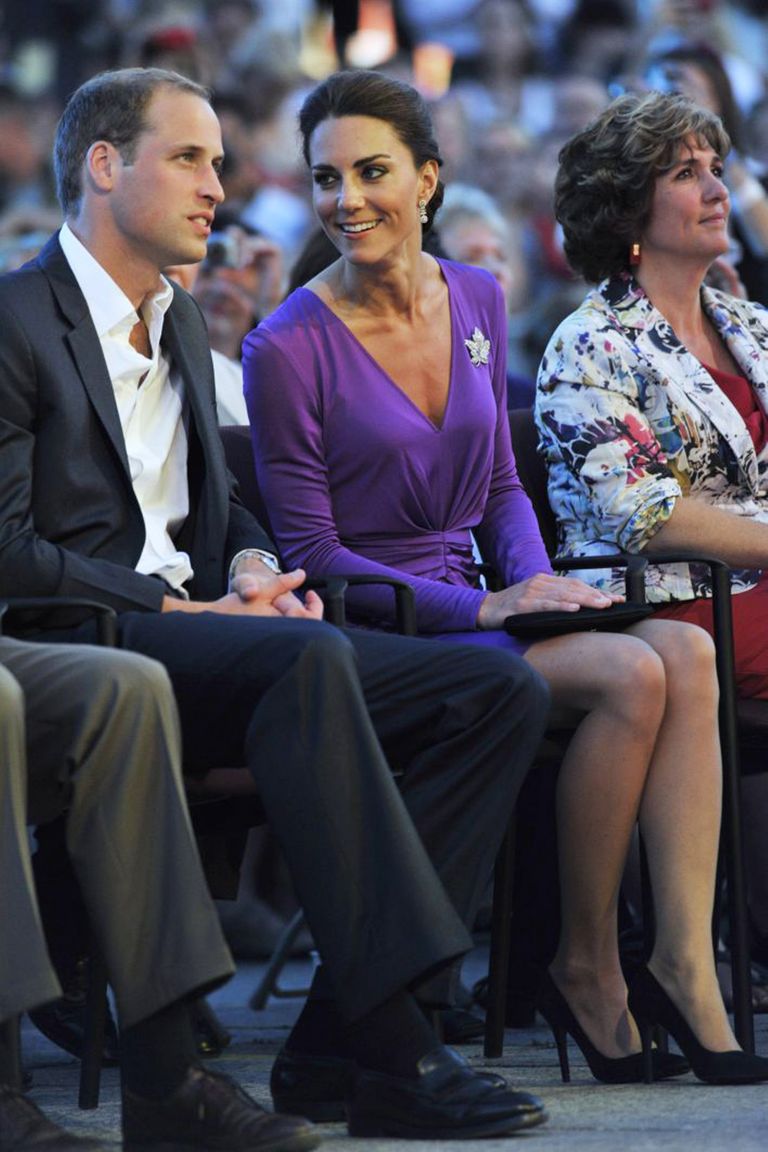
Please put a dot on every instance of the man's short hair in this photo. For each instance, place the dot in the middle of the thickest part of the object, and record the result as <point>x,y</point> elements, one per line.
<point>111,106</point>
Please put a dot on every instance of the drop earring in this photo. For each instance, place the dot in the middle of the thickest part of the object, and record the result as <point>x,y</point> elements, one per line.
<point>423,212</point>
<point>634,254</point>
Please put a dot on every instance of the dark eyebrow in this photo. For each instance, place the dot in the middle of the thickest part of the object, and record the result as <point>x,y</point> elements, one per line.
<point>369,159</point>
<point>357,164</point>
<point>691,159</point>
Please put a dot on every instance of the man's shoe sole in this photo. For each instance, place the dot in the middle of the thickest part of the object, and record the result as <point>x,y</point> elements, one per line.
<point>300,1141</point>
<point>370,1126</point>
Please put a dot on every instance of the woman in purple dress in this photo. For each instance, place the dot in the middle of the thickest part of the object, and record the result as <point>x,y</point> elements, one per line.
<point>376,396</point>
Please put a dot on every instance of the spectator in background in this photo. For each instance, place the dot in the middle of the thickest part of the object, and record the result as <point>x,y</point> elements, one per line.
<point>238,283</point>
<point>668,24</point>
<point>596,38</point>
<point>472,230</point>
<point>756,128</point>
<point>25,129</point>
<point>175,45</point>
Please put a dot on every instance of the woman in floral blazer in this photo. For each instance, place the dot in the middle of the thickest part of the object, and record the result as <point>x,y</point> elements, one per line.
<point>652,398</point>
<point>631,421</point>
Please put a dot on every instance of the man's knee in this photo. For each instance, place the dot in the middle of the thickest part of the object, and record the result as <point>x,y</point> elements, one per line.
<point>325,646</point>
<point>11,695</point>
<point>527,693</point>
<point>126,678</point>
<point>140,675</point>
<point>513,678</point>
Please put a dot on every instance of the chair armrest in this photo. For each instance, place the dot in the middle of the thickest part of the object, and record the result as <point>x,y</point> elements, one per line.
<point>335,588</point>
<point>635,565</point>
<point>721,597</point>
<point>56,607</point>
<point>723,629</point>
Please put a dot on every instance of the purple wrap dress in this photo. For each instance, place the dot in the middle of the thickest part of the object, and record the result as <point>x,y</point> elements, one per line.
<point>357,479</point>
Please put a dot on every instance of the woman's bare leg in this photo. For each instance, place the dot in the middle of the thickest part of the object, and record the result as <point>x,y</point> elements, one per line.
<point>619,681</point>
<point>667,771</point>
<point>680,822</point>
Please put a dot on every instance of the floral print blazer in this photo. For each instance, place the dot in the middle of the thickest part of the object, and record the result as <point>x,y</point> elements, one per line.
<point>629,421</point>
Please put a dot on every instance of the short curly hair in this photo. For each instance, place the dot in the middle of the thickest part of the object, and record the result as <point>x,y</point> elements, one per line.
<point>607,174</point>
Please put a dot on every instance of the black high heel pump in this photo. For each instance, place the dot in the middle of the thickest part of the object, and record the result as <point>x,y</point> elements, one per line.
<point>650,1005</point>
<point>609,1069</point>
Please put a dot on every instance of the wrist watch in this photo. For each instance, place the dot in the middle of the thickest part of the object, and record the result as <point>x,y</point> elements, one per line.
<point>267,558</point>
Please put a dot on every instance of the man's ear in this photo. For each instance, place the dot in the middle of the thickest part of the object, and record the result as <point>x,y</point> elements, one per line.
<point>101,161</point>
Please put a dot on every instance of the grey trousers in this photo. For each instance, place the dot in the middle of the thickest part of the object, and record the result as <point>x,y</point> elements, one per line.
<point>95,732</point>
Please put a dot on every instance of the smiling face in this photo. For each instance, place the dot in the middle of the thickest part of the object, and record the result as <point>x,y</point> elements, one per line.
<point>161,202</point>
<point>689,213</point>
<point>366,188</point>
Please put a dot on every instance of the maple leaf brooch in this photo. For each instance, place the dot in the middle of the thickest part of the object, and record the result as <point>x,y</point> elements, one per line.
<point>478,347</point>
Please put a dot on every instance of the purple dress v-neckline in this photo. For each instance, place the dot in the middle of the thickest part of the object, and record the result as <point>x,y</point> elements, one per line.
<point>385,376</point>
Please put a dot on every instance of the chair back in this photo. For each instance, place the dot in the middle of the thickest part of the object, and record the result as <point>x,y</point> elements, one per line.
<point>236,439</point>
<point>532,472</point>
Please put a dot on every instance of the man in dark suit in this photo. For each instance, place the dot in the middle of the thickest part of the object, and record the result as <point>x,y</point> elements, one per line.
<point>114,486</point>
<point>82,728</point>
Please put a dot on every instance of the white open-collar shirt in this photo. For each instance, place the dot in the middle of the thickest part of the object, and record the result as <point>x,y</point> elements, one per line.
<point>150,402</point>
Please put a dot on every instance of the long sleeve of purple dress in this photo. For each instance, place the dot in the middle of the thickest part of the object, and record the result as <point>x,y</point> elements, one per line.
<point>358,480</point>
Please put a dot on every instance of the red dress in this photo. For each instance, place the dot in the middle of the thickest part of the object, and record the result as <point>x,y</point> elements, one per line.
<point>750,609</point>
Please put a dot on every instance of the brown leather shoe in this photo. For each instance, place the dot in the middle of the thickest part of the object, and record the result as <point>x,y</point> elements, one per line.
<point>211,1112</point>
<point>23,1127</point>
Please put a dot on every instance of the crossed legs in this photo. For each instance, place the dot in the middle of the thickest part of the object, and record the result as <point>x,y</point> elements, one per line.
<point>637,756</point>
<point>312,712</point>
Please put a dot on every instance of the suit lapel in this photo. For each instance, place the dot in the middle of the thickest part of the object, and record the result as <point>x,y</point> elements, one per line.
<point>185,339</point>
<point>684,378</point>
<point>84,344</point>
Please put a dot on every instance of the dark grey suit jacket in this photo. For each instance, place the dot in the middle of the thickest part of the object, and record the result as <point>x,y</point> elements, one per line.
<point>70,523</point>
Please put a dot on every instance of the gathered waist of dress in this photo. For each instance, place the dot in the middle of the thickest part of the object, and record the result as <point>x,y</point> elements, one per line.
<point>447,556</point>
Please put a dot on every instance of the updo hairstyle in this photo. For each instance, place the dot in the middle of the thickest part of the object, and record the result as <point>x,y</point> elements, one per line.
<point>363,93</point>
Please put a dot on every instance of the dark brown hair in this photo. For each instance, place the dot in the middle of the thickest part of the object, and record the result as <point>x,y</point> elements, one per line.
<point>362,93</point>
<point>111,106</point>
<point>607,174</point>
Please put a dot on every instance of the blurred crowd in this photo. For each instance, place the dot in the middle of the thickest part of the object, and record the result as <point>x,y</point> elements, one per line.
<point>508,81</point>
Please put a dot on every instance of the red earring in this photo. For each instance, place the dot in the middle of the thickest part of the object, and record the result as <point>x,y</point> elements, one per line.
<point>634,254</point>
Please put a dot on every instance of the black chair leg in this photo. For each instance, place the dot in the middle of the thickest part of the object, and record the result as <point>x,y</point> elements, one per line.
<point>731,840</point>
<point>268,985</point>
<point>501,925</point>
<point>10,1041</point>
<point>95,1021</point>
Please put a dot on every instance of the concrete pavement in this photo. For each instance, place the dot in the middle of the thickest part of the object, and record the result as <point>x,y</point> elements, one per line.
<point>584,1116</point>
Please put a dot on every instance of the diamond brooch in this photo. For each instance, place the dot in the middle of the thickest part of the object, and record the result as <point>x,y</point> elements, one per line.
<point>478,347</point>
